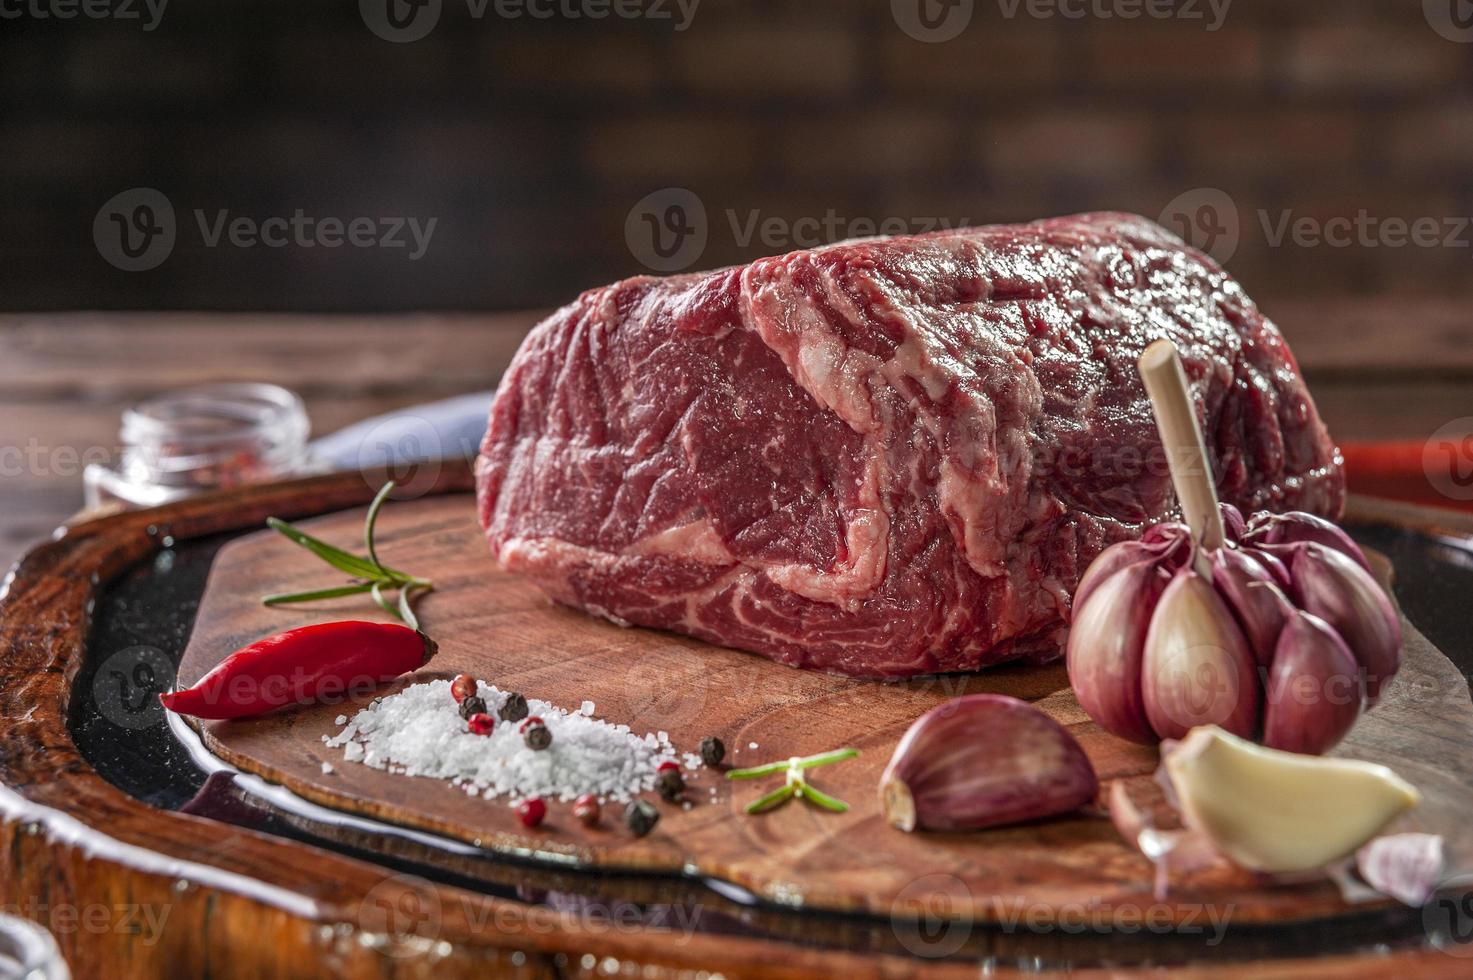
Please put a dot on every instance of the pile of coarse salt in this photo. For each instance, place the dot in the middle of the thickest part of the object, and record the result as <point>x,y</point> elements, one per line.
<point>419,732</point>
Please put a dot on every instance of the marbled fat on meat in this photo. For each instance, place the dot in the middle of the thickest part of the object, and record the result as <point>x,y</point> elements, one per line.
<point>883,457</point>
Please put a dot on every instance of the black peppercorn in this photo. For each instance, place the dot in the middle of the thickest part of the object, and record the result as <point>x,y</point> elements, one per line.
<point>536,735</point>
<point>712,751</point>
<point>514,708</point>
<point>670,784</point>
<point>640,817</point>
<point>472,705</point>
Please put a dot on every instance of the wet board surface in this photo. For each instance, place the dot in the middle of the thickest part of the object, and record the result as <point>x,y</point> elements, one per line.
<point>502,630</point>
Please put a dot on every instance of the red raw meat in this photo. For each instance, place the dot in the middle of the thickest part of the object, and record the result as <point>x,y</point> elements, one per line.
<point>884,457</point>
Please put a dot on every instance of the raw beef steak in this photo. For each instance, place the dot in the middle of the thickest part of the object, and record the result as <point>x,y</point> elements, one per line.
<point>884,457</point>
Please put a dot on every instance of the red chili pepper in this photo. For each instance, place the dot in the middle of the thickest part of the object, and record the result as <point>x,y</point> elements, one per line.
<point>311,663</point>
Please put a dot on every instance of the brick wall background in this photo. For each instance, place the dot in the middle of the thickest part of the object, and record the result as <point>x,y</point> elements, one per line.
<point>532,140</point>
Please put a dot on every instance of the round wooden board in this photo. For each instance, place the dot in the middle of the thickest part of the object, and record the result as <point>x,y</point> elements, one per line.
<point>245,903</point>
<point>500,629</point>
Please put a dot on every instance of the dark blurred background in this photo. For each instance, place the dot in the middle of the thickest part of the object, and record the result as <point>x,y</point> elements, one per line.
<point>1322,148</point>
<point>530,140</point>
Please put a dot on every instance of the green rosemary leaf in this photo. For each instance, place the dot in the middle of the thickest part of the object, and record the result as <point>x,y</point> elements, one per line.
<point>285,598</point>
<point>378,596</point>
<point>372,519</point>
<point>406,606</point>
<point>806,762</point>
<point>336,557</point>
<point>826,758</point>
<point>757,772</point>
<point>776,798</point>
<point>822,799</point>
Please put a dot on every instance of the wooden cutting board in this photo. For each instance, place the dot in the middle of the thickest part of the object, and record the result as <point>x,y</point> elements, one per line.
<point>502,630</point>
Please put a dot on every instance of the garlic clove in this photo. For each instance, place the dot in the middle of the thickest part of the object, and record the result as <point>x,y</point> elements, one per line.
<point>1168,552</point>
<point>1250,591</point>
<point>1313,695</point>
<point>1297,527</point>
<point>1232,521</point>
<point>1106,643</point>
<point>1110,561</point>
<point>1331,586</point>
<point>1407,867</point>
<point>1197,668</point>
<point>1276,811</point>
<point>984,760</point>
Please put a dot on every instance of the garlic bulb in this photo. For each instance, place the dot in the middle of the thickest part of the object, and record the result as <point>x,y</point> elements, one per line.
<point>984,760</point>
<point>1270,627</point>
<point>1285,643</point>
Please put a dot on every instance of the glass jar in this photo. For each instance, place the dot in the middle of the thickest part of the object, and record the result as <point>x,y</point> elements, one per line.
<point>207,437</point>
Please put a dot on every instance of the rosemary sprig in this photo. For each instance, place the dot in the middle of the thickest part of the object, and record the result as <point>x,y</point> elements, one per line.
<point>797,783</point>
<point>373,576</point>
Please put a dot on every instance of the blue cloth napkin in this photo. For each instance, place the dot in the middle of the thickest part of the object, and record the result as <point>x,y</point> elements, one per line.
<point>440,430</point>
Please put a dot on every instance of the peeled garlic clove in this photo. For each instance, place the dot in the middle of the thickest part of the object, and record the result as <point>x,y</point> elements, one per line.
<point>1250,590</point>
<point>1278,811</point>
<point>1331,586</point>
<point>1196,668</point>
<point>984,760</point>
<point>1313,694</point>
<point>1297,527</point>
<point>1106,643</point>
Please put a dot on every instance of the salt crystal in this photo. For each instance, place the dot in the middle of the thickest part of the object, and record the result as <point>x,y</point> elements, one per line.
<point>419,732</point>
<point>326,768</point>
<point>342,720</point>
<point>751,745</point>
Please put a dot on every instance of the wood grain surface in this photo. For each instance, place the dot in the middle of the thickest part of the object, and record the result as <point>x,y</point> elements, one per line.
<point>501,630</point>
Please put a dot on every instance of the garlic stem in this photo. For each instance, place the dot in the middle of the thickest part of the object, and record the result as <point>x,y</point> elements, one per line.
<point>1186,452</point>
